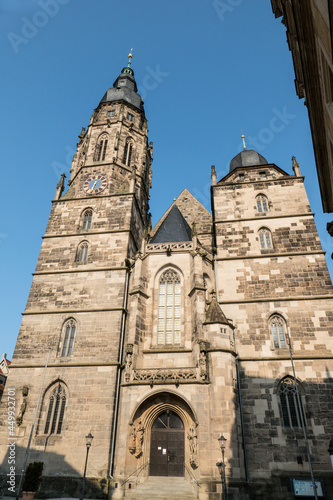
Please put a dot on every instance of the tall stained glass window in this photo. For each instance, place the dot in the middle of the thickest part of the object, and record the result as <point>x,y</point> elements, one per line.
<point>169,309</point>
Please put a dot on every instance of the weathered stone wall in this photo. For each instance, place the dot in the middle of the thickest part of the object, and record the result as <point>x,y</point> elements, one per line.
<point>90,400</point>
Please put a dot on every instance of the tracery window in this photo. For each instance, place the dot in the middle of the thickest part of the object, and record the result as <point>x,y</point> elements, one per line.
<point>100,150</point>
<point>262,203</point>
<point>265,239</point>
<point>291,409</point>
<point>128,152</point>
<point>82,252</point>
<point>56,410</point>
<point>87,219</point>
<point>169,309</point>
<point>278,331</point>
<point>70,329</point>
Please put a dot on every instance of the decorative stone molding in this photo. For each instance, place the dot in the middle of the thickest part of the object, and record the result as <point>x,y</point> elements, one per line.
<point>164,247</point>
<point>169,375</point>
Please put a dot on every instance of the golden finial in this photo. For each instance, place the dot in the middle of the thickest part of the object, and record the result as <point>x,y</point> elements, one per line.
<point>130,55</point>
<point>243,139</point>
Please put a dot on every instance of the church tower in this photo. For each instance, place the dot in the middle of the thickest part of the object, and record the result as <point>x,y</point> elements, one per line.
<point>75,315</point>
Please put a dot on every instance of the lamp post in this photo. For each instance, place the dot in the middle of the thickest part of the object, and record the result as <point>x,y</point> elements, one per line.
<point>330,451</point>
<point>221,467</point>
<point>89,439</point>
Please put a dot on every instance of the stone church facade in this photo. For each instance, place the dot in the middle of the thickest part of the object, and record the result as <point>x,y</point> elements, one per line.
<point>157,340</point>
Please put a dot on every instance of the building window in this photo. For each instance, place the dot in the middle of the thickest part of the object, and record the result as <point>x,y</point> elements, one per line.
<point>87,218</point>
<point>265,239</point>
<point>130,117</point>
<point>169,309</point>
<point>241,177</point>
<point>262,203</point>
<point>82,252</point>
<point>111,113</point>
<point>67,347</point>
<point>278,331</point>
<point>56,411</point>
<point>128,153</point>
<point>263,175</point>
<point>100,150</point>
<point>291,410</point>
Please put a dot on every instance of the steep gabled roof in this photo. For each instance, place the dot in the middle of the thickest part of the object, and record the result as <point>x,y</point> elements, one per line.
<point>174,228</point>
<point>191,210</point>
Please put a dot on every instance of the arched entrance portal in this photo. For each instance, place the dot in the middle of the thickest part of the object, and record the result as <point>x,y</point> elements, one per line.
<point>167,445</point>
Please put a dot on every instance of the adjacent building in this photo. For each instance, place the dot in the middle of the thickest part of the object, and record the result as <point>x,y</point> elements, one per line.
<point>309,25</point>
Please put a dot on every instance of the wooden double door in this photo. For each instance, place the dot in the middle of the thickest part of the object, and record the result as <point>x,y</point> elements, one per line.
<point>167,450</point>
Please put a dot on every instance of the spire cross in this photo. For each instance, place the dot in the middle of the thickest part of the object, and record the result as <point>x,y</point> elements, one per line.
<point>130,55</point>
<point>243,139</point>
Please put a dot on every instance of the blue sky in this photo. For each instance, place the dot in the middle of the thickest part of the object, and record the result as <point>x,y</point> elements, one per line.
<point>206,70</point>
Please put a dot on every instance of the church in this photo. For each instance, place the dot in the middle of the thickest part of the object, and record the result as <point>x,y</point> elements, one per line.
<point>160,340</point>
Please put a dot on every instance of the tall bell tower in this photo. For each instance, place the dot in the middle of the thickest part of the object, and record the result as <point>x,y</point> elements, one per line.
<point>115,147</point>
<point>74,319</point>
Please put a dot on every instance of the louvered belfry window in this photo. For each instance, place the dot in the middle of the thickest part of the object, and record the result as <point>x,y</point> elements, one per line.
<point>169,309</point>
<point>101,147</point>
<point>128,153</point>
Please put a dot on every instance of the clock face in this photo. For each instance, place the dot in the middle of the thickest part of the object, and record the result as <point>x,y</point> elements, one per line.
<point>95,184</point>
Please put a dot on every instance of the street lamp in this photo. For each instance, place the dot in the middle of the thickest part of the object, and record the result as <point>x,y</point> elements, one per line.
<point>330,451</point>
<point>89,439</point>
<point>221,467</point>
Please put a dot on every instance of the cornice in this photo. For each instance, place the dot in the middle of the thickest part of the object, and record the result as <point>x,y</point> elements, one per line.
<point>265,255</point>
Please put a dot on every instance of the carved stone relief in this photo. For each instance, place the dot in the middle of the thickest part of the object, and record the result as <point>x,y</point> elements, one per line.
<point>193,445</point>
<point>19,418</point>
<point>136,433</point>
<point>128,362</point>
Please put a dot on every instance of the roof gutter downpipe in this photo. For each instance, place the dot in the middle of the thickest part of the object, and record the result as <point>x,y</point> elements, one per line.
<point>241,409</point>
<point>119,370</point>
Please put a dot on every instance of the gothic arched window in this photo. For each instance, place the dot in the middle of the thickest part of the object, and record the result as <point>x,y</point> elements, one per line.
<point>56,410</point>
<point>278,330</point>
<point>69,335</point>
<point>82,252</point>
<point>100,150</point>
<point>128,150</point>
<point>262,203</point>
<point>87,218</point>
<point>265,239</point>
<point>169,309</point>
<point>291,409</point>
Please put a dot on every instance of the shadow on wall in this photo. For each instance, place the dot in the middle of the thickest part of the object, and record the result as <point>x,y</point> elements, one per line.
<point>275,446</point>
<point>66,484</point>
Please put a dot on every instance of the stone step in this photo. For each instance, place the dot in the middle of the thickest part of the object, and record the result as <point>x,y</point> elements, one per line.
<point>161,488</point>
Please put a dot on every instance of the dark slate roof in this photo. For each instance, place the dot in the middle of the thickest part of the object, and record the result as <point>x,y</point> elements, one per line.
<point>124,89</point>
<point>214,314</point>
<point>173,229</point>
<point>247,158</point>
